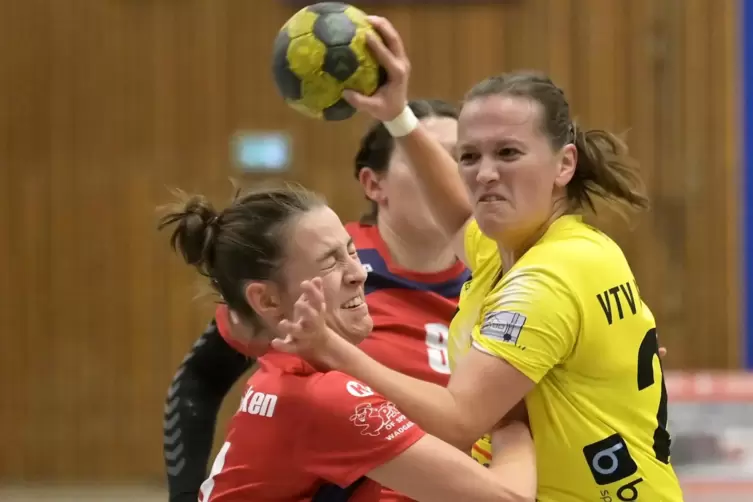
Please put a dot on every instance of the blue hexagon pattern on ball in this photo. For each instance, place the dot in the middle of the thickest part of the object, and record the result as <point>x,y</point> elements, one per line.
<point>321,51</point>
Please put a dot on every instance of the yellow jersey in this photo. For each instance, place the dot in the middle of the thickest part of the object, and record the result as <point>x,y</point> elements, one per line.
<point>569,316</point>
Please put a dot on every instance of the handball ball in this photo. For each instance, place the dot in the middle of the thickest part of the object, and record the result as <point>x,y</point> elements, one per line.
<point>320,52</point>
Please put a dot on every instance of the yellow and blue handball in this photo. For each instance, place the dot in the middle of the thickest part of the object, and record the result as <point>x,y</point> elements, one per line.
<point>320,52</point>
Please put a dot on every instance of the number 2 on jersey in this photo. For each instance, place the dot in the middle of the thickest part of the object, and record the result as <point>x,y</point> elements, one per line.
<point>648,349</point>
<point>436,347</point>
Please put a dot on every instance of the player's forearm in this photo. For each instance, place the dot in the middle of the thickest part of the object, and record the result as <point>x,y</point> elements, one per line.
<point>190,413</point>
<point>430,406</point>
<point>514,459</point>
<point>444,189</point>
<point>191,407</point>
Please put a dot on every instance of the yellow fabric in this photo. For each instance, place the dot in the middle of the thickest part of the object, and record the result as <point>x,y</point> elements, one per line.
<point>569,316</point>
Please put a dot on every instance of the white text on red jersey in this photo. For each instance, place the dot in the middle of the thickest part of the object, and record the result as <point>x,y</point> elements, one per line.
<point>258,403</point>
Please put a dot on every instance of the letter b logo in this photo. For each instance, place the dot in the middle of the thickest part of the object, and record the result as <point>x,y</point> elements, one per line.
<point>609,460</point>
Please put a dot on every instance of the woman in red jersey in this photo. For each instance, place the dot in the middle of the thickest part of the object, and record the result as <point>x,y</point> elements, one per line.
<point>412,288</point>
<point>300,429</point>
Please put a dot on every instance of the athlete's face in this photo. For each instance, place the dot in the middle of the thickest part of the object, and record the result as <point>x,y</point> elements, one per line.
<point>507,160</point>
<point>398,193</point>
<point>319,246</point>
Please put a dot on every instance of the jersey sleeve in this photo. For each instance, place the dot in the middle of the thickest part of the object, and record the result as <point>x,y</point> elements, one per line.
<point>532,323</point>
<point>478,247</point>
<point>352,430</point>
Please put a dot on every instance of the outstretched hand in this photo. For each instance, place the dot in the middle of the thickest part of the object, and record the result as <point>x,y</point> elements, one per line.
<point>307,333</point>
<point>392,97</point>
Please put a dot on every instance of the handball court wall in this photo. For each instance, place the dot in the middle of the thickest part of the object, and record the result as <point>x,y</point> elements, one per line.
<point>104,104</point>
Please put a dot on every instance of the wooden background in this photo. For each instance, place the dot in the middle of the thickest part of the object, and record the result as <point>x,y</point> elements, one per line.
<point>106,103</point>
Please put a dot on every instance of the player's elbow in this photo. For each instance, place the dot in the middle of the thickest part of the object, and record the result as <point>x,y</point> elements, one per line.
<point>455,427</point>
<point>460,434</point>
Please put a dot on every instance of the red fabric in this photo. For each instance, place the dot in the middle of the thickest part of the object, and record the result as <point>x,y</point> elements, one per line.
<point>410,324</point>
<point>251,348</point>
<point>411,339</point>
<point>297,429</point>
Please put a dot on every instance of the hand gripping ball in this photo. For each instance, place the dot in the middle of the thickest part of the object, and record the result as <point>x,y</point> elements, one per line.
<point>320,52</point>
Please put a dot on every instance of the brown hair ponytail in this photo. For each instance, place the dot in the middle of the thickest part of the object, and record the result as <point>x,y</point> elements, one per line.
<point>605,170</point>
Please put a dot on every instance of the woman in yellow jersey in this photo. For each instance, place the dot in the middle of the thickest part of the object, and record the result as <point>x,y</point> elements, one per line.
<point>553,315</point>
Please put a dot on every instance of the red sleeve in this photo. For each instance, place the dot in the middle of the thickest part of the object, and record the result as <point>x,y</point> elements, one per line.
<point>352,430</point>
<point>252,349</point>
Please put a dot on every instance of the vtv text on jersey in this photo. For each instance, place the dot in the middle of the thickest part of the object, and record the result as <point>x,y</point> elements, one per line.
<point>614,297</point>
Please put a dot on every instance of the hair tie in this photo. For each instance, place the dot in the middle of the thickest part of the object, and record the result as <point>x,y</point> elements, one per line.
<point>573,132</point>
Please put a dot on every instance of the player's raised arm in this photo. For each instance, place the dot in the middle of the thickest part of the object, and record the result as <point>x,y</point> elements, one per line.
<point>434,166</point>
<point>193,400</point>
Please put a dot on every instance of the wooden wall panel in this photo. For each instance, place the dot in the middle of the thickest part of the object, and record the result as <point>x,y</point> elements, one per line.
<point>104,104</point>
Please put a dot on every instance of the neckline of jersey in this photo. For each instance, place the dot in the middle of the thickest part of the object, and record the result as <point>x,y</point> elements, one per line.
<point>378,243</point>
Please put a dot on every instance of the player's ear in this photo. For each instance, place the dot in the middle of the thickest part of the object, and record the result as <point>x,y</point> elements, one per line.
<point>372,183</point>
<point>264,298</point>
<point>567,165</point>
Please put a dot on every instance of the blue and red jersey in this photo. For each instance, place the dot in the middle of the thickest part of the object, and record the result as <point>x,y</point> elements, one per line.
<point>411,310</point>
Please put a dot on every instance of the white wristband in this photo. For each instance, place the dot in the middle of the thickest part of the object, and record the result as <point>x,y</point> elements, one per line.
<point>403,124</point>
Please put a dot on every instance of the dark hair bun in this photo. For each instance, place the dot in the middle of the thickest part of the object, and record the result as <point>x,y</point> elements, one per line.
<point>245,241</point>
<point>196,229</point>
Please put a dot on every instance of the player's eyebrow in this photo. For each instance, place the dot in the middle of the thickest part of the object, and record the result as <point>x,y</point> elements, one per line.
<point>334,251</point>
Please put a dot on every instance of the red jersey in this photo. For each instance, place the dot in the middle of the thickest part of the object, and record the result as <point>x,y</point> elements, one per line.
<point>298,429</point>
<point>411,310</point>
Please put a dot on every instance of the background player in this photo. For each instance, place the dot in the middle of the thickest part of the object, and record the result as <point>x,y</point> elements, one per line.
<point>553,308</point>
<point>412,288</point>
<point>298,428</point>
